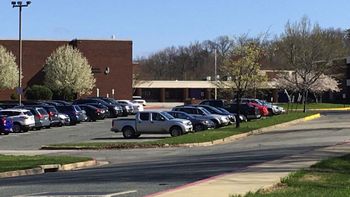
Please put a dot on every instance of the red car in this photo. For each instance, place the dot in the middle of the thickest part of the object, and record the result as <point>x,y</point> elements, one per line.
<point>262,109</point>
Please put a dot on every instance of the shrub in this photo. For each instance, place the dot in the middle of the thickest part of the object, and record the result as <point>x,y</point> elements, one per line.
<point>38,92</point>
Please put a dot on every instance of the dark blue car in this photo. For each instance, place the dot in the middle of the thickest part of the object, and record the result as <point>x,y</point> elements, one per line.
<point>199,123</point>
<point>6,125</point>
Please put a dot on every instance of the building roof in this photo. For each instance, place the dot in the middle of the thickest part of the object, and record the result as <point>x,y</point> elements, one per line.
<point>187,84</point>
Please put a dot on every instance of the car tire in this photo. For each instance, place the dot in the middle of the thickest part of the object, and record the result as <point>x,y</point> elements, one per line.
<point>25,129</point>
<point>198,127</point>
<point>175,131</point>
<point>16,128</point>
<point>128,132</point>
<point>6,133</point>
<point>216,123</point>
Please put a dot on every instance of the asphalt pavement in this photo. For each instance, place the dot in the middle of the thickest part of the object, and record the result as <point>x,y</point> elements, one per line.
<point>143,172</point>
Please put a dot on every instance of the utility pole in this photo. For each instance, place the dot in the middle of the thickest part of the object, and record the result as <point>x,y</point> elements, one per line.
<point>215,74</point>
<point>20,5</point>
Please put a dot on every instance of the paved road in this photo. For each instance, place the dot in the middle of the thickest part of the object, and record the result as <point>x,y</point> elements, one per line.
<point>145,171</point>
<point>98,131</point>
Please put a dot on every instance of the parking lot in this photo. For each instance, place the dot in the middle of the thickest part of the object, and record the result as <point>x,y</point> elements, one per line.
<point>98,131</point>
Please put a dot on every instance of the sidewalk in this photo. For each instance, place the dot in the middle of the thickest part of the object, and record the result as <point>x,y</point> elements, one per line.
<point>254,177</point>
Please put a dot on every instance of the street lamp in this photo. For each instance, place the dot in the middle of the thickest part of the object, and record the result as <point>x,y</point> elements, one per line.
<point>20,5</point>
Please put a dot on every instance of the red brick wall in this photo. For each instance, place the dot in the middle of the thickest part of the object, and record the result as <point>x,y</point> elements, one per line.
<point>117,55</point>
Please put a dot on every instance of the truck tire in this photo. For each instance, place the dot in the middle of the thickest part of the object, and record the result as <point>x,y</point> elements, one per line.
<point>128,132</point>
<point>175,131</point>
<point>137,135</point>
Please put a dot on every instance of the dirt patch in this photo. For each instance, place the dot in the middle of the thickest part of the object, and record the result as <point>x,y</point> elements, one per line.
<point>311,177</point>
<point>278,186</point>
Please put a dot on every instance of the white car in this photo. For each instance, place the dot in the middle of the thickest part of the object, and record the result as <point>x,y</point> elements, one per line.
<point>136,106</point>
<point>139,101</point>
<point>23,119</point>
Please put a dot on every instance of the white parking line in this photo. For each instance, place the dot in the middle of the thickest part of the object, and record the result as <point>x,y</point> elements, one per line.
<point>121,193</point>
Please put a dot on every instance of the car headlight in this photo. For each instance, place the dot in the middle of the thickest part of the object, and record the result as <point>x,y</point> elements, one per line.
<point>206,122</point>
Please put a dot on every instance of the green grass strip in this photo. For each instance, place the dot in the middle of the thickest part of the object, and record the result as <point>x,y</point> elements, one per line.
<point>11,163</point>
<point>313,106</point>
<point>327,178</point>
<point>205,136</point>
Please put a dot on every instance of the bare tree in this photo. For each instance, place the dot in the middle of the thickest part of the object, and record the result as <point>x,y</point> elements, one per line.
<point>309,50</point>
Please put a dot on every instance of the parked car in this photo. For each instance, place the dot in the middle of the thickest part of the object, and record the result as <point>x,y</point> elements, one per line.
<point>72,111</point>
<point>62,102</point>
<point>246,109</point>
<point>139,101</point>
<point>6,124</point>
<point>23,119</point>
<point>262,109</point>
<point>126,109</point>
<point>53,114</point>
<point>241,116</point>
<point>115,110</point>
<point>151,122</point>
<point>275,109</point>
<point>64,119</point>
<point>135,106</point>
<point>8,105</point>
<point>103,108</point>
<point>213,110</point>
<point>215,103</point>
<point>199,123</point>
<point>218,120</point>
<point>41,116</point>
<point>93,113</point>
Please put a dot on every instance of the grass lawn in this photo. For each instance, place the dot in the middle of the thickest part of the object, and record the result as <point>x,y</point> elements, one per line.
<point>205,136</point>
<point>313,106</point>
<point>327,178</point>
<point>10,163</point>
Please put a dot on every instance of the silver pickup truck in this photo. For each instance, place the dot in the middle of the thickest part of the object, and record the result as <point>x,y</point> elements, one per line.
<point>151,122</point>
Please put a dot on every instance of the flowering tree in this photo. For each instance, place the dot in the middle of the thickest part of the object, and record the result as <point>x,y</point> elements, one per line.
<point>243,66</point>
<point>67,70</point>
<point>8,69</point>
<point>309,51</point>
<point>292,82</point>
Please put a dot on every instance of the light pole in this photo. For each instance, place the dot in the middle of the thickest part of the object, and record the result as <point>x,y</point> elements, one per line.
<point>215,75</point>
<point>20,5</point>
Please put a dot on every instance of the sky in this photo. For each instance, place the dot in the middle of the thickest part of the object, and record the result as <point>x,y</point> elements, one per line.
<point>153,25</point>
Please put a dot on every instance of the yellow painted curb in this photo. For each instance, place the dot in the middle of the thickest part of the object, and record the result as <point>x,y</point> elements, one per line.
<point>312,117</point>
<point>333,109</point>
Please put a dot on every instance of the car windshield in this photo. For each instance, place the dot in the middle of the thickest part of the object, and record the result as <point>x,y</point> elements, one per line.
<point>28,113</point>
<point>223,110</point>
<point>213,110</point>
<point>110,101</point>
<point>42,111</point>
<point>167,115</point>
<point>206,112</point>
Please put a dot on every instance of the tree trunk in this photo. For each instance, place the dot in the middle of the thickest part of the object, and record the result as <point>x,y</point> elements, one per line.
<point>238,100</point>
<point>305,95</point>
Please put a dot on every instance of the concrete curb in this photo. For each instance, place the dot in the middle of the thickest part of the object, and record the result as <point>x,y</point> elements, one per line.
<point>50,168</point>
<point>254,132</point>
